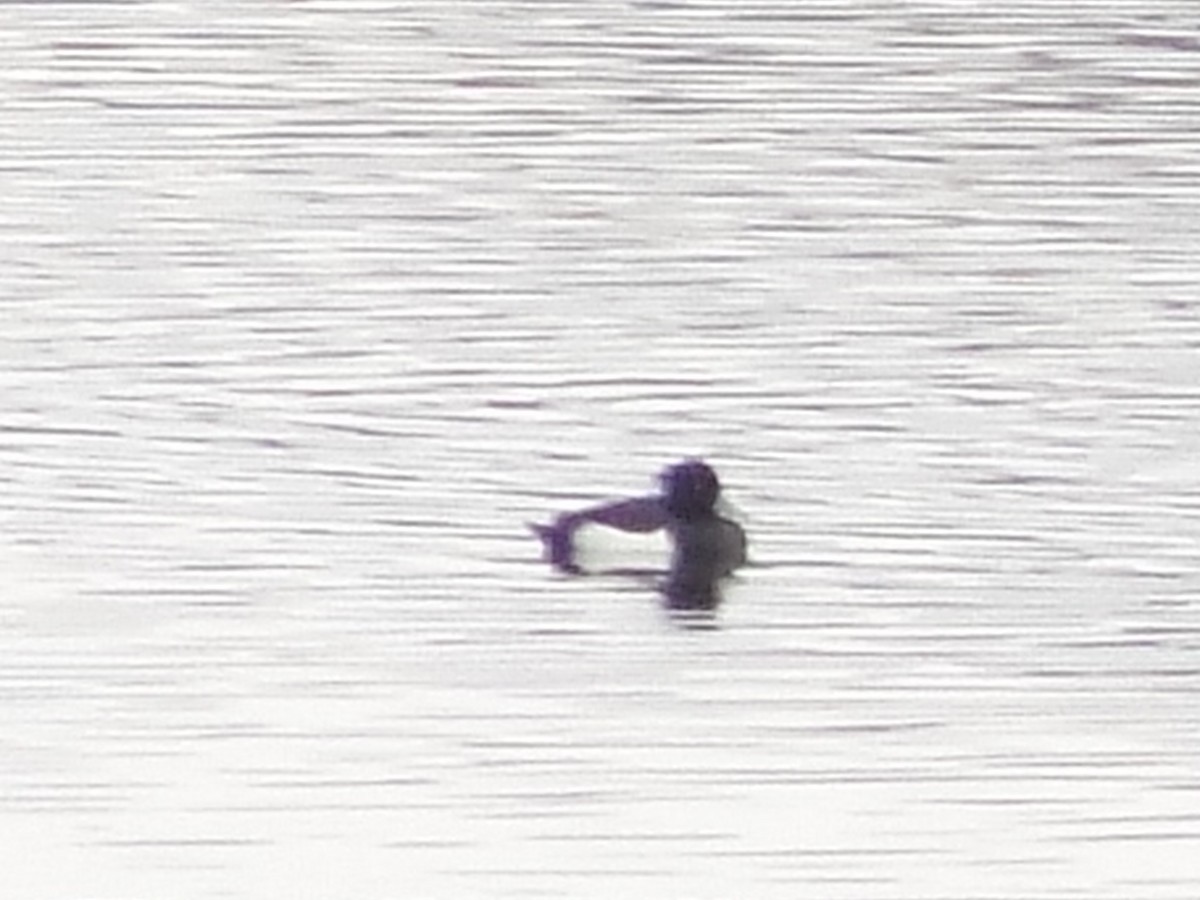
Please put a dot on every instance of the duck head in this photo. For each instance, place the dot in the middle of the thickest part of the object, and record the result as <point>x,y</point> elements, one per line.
<point>690,490</point>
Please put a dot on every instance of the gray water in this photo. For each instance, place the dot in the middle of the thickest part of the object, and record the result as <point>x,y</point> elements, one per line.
<point>308,307</point>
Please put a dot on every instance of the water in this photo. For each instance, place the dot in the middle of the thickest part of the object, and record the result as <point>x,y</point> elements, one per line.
<point>309,307</point>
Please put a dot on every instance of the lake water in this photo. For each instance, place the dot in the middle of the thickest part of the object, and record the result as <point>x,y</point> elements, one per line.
<point>308,307</point>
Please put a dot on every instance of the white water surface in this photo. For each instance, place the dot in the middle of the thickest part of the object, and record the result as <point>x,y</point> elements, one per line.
<point>307,308</point>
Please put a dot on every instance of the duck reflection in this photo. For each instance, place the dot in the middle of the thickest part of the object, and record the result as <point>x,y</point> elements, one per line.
<point>706,546</point>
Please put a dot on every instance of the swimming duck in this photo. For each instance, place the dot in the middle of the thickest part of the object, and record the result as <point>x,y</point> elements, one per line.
<point>706,546</point>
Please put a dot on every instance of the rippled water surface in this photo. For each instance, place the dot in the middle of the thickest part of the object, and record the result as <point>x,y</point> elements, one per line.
<point>308,307</point>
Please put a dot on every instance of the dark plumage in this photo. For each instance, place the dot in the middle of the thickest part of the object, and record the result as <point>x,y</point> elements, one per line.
<point>707,546</point>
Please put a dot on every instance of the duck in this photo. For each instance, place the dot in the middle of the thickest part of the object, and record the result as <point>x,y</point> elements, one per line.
<point>706,546</point>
